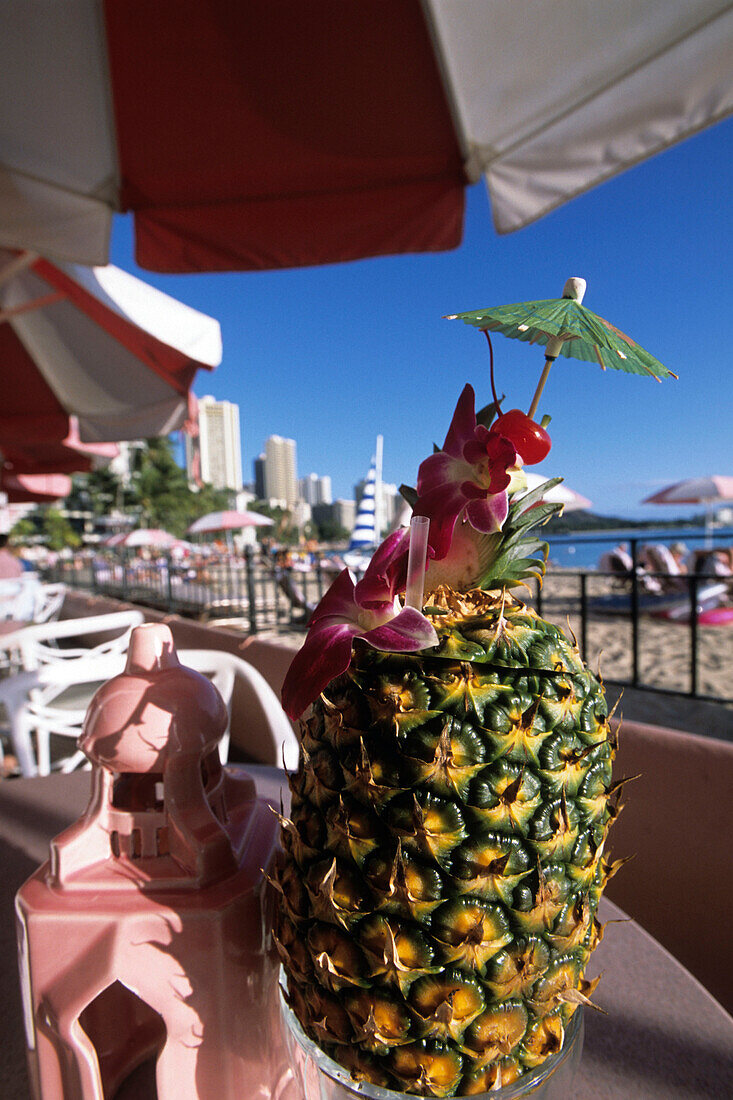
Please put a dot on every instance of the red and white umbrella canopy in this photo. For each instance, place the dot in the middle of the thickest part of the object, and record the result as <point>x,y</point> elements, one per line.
<point>695,490</point>
<point>709,491</point>
<point>228,521</point>
<point>34,488</point>
<point>96,344</point>
<point>67,456</point>
<point>277,133</point>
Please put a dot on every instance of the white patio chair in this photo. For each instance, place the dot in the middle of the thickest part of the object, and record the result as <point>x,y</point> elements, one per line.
<point>49,601</point>
<point>37,644</point>
<point>18,596</point>
<point>269,737</point>
<point>53,699</point>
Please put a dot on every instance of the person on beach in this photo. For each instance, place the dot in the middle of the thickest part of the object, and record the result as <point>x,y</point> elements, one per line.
<point>680,554</point>
<point>10,566</point>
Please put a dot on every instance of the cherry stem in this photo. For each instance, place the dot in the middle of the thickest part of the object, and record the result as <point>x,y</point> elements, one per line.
<point>491,372</point>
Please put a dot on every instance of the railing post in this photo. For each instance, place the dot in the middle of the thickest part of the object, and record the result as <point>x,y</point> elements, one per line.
<point>124,576</point>
<point>634,615</point>
<point>539,596</point>
<point>584,615</point>
<point>169,586</point>
<point>693,581</point>
<point>319,579</point>
<point>251,595</point>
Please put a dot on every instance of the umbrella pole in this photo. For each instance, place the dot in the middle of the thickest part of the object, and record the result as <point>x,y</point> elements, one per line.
<point>540,386</point>
<point>554,344</point>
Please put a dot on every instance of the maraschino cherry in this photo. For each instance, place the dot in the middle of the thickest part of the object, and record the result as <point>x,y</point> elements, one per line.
<point>530,440</point>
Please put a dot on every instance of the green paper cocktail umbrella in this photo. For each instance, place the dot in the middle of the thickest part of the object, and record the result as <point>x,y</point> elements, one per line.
<point>569,328</point>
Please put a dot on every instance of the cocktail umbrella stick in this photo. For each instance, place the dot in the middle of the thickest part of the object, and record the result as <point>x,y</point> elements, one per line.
<point>574,288</point>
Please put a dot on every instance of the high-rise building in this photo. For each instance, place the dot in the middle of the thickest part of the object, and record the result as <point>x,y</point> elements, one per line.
<point>280,470</point>
<point>259,474</point>
<point>315,490</point>
<point>218,446</point>
<point>344,513</point>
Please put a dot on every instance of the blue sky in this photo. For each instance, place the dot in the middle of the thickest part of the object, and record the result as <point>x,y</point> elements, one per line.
<point>331,356</point>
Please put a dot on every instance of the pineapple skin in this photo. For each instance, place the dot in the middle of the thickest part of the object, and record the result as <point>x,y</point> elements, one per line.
<point>444,859</point>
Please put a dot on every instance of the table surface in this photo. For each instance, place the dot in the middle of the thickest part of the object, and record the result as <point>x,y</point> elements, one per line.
<point>663,1038</point>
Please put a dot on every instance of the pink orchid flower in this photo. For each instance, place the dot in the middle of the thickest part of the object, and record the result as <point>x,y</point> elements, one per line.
<point>469,478</point>
<point>368,609</point>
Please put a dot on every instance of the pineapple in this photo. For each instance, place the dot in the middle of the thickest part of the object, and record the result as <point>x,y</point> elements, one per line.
<point>445,854</point>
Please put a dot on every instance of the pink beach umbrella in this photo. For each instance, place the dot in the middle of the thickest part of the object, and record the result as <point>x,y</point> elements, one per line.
<point>228,521</point>
<point>709,491</point>
<point>143,536</point>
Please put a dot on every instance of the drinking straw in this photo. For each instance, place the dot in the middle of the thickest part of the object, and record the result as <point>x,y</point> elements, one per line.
<point>416,558</point>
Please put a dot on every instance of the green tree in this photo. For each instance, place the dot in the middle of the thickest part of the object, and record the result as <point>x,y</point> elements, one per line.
<point>160,490</point>
<point>58,532</point>
<point>98,492</point>
<point>24,529</point>
<point>331,531</point>
<point>283,529</point>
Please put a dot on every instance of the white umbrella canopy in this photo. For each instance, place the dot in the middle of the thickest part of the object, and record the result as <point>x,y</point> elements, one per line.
<point>314,133</point>
<point>709,491</point>
<point>558,494</point>
<point>96,344</point>
<point>228,521</point>
<point>142,536</point>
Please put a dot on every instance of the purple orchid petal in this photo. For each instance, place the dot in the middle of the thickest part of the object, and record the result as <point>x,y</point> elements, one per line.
<point>326,653</point>
<point>474,452</point>
<point>501,455</point>
<point>490,514</point>
<point>377,586</point>
<point>472,491</point>
<point>406,633</point>
<point>463,424</point>
<point>441,472</point>
<point>338,600</point>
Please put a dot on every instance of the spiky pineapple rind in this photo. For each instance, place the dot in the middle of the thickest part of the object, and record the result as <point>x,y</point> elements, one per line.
<point>425,885</point>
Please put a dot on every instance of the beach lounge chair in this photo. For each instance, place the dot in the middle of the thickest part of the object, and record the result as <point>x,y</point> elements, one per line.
<point>617,562</point>
<point>660,562</point>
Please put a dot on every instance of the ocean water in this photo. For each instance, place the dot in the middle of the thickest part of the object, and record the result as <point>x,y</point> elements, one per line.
<point>582,551</point>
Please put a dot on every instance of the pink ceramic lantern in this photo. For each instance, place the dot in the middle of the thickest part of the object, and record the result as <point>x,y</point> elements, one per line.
<point>143,933</point>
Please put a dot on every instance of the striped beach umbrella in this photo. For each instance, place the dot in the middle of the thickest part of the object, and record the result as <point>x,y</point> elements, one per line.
<point>709,491</point>
<point>265,135</point>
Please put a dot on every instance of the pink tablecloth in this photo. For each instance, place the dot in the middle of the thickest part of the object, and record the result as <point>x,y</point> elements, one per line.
<point>664,1038</point>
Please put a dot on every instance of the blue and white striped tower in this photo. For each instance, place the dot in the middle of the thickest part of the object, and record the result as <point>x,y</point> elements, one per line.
<point>366,532</point>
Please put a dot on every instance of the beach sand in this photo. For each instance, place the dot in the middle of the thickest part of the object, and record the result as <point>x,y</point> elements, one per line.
<point>664,660</point>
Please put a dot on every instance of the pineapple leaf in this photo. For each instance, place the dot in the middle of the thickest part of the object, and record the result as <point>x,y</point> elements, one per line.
<point>488,414</point>
<point>513,556</point>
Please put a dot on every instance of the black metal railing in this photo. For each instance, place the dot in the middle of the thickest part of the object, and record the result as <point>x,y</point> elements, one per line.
<point>253,593</point>
<point>256,595</point>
